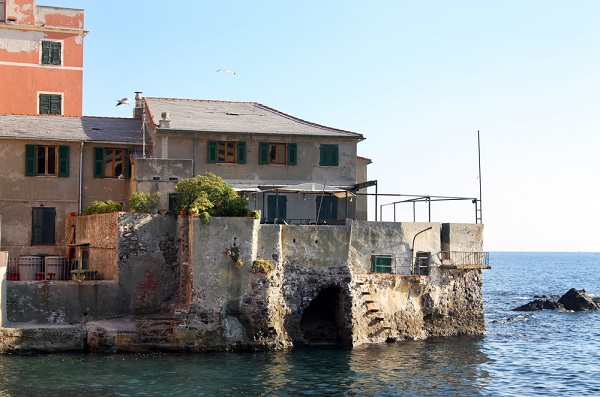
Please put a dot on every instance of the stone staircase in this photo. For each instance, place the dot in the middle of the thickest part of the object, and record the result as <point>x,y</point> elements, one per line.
<point>373,311</point>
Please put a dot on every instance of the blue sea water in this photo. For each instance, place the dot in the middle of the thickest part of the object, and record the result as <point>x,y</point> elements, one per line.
<point>542,353</point>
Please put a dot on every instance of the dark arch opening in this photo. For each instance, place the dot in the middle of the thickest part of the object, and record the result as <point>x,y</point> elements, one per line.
<point>322,320</point>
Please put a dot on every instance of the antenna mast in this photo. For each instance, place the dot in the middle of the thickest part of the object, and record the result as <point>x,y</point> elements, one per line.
<point>479,215</point>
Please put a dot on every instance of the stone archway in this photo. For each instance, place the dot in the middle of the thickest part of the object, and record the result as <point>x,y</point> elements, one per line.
<point>322,322</point>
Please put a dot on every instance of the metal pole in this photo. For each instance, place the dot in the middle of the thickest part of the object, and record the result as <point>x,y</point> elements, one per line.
<point>479,160</point>
<point>414,211</point>
<point>412,250</point>
<point>429,204</point>
<point>394,212</point>
<point>375,201</point>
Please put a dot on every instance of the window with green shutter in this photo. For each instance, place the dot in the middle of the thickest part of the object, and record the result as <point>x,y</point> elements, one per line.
<point>329,155</point>
<point>327,207</point>
<point>51,52</point>
<point>50,104</point>
<point>46,160</point>
<point>227,152</point>
<point>278,153</point>
<point>112,163</point>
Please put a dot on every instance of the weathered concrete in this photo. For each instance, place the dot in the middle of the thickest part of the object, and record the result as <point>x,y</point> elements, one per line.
<point>326,263</point>
<point>201,278</point>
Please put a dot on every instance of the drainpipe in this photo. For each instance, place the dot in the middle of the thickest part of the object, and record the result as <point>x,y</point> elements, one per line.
<point>412,250</point>
<point>195,148</point>
<point>80,200</point>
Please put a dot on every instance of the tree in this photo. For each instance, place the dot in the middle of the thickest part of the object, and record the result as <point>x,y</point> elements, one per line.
<point>211,194</point>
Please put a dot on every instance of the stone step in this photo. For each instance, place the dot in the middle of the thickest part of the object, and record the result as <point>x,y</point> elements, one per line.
<point>372,308</point>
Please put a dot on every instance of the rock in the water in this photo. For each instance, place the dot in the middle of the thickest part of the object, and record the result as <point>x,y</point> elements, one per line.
<point>577,300</point>
<point>540,304</point>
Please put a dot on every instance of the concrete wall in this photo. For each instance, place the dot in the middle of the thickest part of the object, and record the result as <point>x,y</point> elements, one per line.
<point>231,306</point>
<point>160,175</point>
<point>136,257</point>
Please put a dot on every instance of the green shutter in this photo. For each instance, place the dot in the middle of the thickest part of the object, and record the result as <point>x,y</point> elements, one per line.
<point>212,152</point>
<point>46,52</point>
<point>99,162</point>
<point>263,153</point>
<point>241,152</point>
<point>329,155</point>
<point>127,164</point>
<point>55,52</point>
<point>44,104</point>
<point>292,154</point>
<point>30,160</point>
<point>55,104</point>
<point>63,161</point>
<point>334,155</point>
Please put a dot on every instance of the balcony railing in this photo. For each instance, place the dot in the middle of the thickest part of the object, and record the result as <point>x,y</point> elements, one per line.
<point>464,260</point>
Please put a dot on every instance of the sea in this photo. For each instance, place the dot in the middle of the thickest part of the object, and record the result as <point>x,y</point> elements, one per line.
<point>544,353</point>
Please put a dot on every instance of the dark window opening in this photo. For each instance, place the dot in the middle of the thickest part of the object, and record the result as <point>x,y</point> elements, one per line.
<point>43,226</point>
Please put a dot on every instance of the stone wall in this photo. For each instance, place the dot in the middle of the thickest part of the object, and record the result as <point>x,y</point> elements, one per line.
<point>321,289</point>
<point>136,257</point>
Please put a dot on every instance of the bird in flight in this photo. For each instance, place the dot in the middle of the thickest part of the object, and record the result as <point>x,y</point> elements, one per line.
<point>226,70</point>
<point>124,101</point>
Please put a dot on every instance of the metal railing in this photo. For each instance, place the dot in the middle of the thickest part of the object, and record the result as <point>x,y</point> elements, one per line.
<point>50,268</point>
<point>401,265</point>
<point>464,258</point>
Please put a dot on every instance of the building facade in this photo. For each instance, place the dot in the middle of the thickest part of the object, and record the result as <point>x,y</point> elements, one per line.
<point>41,59</point>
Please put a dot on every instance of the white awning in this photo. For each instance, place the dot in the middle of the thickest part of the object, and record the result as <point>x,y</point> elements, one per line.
<point>313,188</point>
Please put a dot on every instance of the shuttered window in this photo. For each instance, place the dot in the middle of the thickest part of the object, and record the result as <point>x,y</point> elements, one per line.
<point>42,160</point>
<point>327,207</point>
<point>329,155</point>
<point>278,153</point>
<point>277,207</point>
<point>227,152</point>
<point>111,163</point>
<point>43,226</point>
<point>51,53</point>
<point>50,104</point>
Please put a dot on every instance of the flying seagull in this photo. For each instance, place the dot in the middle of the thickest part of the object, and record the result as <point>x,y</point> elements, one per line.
<point>226,70</point>
<point>124,101</point>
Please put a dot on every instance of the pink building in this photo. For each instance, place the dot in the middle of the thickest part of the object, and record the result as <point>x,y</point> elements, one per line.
<point>41,59</point>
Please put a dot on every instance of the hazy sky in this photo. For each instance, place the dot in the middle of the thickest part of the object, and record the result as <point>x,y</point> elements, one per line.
<point>417,78</point>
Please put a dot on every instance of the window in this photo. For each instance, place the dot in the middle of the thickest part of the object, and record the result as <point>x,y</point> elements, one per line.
<point>326,207</point>
<point>46,160</point>
<point>42,226</point>
<point>381,263</point>
<point>2,7</point>
<point>173,201</point>
<point>278,153</point>
<point>277,207</point>
<point>51,52</point>
<point>227,152</point>
<point>50,104</point>
<point>111,163</point>
<point>329,155</point>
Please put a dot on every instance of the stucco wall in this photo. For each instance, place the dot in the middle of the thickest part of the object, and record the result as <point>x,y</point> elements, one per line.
<point>160,175</point>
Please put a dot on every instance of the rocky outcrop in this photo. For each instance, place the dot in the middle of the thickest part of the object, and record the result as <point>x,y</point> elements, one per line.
<point>574,300</point>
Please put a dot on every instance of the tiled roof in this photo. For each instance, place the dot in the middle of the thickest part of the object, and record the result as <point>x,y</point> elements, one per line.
<point>61,128</point>
<point>239,117</point>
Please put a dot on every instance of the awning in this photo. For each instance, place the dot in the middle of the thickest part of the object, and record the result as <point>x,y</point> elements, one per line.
<point>313,188</point>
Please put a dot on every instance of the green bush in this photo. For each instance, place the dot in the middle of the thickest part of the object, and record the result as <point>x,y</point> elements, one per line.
<point>263,266</point>
<point>211,194</point>
<point>144,202</point>
<point>101,207</point>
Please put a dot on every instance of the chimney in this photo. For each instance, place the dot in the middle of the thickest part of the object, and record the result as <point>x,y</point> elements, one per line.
<point>138,110</point>
<point>165,121</point>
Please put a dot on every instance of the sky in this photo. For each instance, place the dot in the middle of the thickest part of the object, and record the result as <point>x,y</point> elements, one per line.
<point>418,79</point>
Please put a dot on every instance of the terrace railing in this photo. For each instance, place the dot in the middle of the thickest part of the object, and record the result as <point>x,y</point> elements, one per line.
<point>465,259</point>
